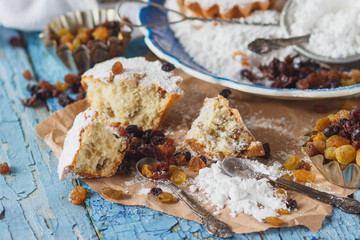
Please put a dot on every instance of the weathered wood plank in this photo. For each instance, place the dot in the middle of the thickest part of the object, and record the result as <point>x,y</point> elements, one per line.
<point>31,207</point>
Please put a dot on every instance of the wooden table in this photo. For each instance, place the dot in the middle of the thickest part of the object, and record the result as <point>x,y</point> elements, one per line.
<point>33,202</point>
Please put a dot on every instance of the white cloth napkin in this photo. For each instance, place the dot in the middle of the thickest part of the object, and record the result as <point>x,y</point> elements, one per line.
<point>30,15</point>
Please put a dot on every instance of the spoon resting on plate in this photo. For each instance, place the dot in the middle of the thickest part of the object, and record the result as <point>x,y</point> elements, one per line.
<point>262,46</point>
<point>240,167</point>
<point>214,226</point>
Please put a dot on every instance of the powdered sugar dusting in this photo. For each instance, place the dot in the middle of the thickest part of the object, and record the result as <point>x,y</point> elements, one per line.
<point>72,143</point>
<point>146,73</point>
<point>249,196</point>
<point>222,48</point>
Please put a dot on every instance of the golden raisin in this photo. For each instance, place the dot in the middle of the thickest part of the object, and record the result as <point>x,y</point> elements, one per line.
<point>282,211</point>
<point>332,117</point>
<point>67,38</point>
<point>358,157</point>
<point>27,75</point>
<point>101,33</point>
<point>348,82</point>
<point>82,37</point>
<point>330,140</point>
<point>292,162</point>
<point>4,168</point>
<point>166,197</point>
<point>172,169</point>
<point>345,154</point>
<point>77,195</point>
<point>274,221</point>
<point>180,160</point>
<point>330,153</point>
<point>287,177</point>
<point>320,136</point>
<point>303,176</point>
<point>61,86</point>
<point>196,163</point>
<point>321,124</point>
<point>355,74</point>
<point>147,171</point>
<point>117,68</point>
<point>320,145</point>
<point>342,114</point>
<point>339,141</point>
<point>280,193</point>
<point>62,32</point>
<point>112,193</point>
<point>178,177</point>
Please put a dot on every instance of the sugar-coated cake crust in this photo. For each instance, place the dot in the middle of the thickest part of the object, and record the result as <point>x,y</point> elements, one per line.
<point>215,10</point>
<point>138,74</point>
<point>193,139</point>
<point>74,142</point>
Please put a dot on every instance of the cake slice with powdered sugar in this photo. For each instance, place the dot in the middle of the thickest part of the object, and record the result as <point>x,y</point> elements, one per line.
<point>90,149</point>
<point>218,132</point>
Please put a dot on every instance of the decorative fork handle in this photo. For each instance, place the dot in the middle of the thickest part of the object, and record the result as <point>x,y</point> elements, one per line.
<point>346,204</point>
<point>262,45</point>
<point>214,226</point>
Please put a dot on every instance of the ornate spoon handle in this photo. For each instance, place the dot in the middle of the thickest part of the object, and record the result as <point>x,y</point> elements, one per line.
<point>262,46</point>
<point>214,226</point>
<point>346,204</point>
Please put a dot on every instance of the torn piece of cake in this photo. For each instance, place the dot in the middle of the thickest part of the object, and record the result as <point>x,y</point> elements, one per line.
<point>132,91</point>
<point>218,132</point>
<point>90,148</point>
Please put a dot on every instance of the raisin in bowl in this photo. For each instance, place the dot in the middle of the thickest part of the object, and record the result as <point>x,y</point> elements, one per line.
<point>83,38</point>
<point>334,147</point>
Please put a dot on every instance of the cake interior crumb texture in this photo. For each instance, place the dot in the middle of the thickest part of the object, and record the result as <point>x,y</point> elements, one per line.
<point>139,96</point>
<point>96,152</point>
<point>218,132</point>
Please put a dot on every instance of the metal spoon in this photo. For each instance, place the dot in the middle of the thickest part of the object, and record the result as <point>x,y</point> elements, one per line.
<point>240,167</point>
<point>214,226</point>
<point>262,45</point>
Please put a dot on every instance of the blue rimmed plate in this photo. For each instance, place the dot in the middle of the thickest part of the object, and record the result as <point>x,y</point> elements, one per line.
<point>163,43</point>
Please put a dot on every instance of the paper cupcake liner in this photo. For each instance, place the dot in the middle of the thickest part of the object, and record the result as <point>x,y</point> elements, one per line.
<point>83,58</point>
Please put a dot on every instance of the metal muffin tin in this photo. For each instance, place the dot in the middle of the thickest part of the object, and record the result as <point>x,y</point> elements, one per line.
<point>82,57</point>
<point>286,13</point>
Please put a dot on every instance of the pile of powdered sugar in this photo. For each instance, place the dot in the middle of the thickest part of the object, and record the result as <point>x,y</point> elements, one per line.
<point>249,196</point>
<point>334,26</point>
<point>222,48</point>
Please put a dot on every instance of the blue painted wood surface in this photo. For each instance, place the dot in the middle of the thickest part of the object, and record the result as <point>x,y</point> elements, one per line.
<point>33,202</point>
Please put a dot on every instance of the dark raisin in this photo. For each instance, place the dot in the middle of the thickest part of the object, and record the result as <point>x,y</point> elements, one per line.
<point>355,144</point>
<point>134,131</point>
<point>247,74</point>
<point>4,168</point>
<point>331,130</point>
<point>17,42</point>
<point>124,168</point>
<point>80,96</point>
<point>356,135</point>
<point>167,67</point>
<point>146,137</point>
<point>55,93</point>
<point>158,140</point>
<point>304,165</point>
<point>71,78</point>
<point>64,99</point>
<point>160,175</point>
<point>156,191</point>
<point>355,113</point>
<point>29,102</point>
<point>303,84</point>
<point>291,203</point>
<point>203,158</point>
<point>33,89</point>
<point>43,84</point>
<point>342,121</point>
<point>162,167</point>
<point>266,147</point>
<point>43,94</point>
<point>151,150</point>
<point>225,93</point>
<point>343,133</point>
<point>312,150</point>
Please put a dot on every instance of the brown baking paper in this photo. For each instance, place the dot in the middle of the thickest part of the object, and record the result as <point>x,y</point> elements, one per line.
<point>279,122</point>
